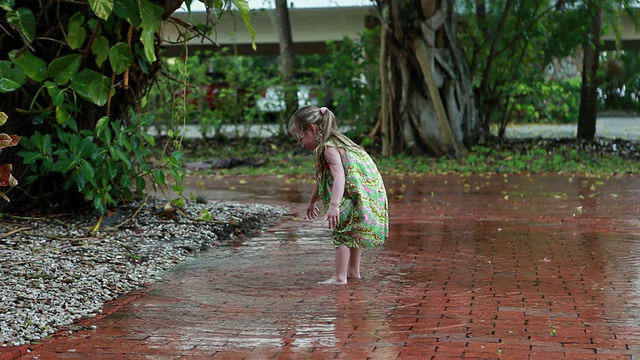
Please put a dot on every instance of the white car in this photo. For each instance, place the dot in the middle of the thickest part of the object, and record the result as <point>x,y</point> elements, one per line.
<point>272,101</point>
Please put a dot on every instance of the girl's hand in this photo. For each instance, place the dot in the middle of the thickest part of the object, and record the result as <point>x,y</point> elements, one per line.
<point>333,215</point>
<point>312,211</point>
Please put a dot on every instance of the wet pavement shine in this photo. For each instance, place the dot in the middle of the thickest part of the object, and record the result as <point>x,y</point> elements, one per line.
<point>476,267</point>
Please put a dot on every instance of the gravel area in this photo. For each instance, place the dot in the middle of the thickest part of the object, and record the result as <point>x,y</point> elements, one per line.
<point>56,270</point>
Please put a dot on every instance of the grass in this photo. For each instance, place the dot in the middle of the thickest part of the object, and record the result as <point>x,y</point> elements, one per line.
<point>535,156</point>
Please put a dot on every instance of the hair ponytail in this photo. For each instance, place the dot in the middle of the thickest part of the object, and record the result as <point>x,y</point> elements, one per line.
<point>325,120</point>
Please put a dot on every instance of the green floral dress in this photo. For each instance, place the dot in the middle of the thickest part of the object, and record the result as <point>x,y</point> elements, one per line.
<point>364,219</point>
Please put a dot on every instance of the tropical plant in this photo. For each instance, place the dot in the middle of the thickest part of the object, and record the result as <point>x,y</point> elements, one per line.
<point>508,46</point>
<point>75,76</point>
<point>351,76</point>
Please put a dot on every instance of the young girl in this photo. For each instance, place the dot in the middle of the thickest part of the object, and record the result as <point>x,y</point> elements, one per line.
<point>350,186</point>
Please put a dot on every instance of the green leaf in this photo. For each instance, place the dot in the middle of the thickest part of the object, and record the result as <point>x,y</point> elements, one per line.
<point>71,122</point>
<point>128,10</point>
<point>57,95</point>
<point>11,77</point>
<point>100,49</point>
<point>63,166</point>
<point>141,184</point>
<point>34,67</point>
<point>99,204</point>
<point>76,34</point>
<point>102,125</point>
<point>45,145</point>
<point>7,5</point>
<point>102,8</point>
<point>30,157</point>
<point>148,38</point>
<point>120,57</point>
<point>92,86</point>
<point>24,21</point>
<point>176,154</point>
<point>151,15</point>
<point>62,115</point>
<point>158,174</point>
<point>120,155</point>
<point>205,215</point>
<point>243,8</point>
<point>80,180</point>
<point>87,169</point>
<point>62,69</point>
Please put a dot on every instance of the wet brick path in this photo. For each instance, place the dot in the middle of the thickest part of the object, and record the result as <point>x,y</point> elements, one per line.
<point>495,267</point>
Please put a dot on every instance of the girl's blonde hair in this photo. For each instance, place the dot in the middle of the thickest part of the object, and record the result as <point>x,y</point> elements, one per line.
<point>325,120</point>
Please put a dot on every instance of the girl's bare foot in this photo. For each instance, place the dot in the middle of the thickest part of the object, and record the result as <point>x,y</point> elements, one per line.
<point>354,276</point>
<point>333,281</point>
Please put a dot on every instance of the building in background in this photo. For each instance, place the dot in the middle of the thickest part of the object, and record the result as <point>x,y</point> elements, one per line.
<point>313,23</point>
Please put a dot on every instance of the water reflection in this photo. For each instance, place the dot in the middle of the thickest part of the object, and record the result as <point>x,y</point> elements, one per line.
<point>474,264</point>
<point>294,189</point>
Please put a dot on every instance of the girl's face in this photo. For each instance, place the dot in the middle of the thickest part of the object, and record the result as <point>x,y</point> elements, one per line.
<point>308,138</point>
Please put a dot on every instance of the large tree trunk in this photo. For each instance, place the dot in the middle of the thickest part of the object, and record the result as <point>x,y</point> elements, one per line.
<point>287,56</point>
<point>427,97</point>
<point>589,91</point>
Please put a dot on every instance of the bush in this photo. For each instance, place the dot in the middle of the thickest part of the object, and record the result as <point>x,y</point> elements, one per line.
<point>546,102</point>
<point>112,159</point>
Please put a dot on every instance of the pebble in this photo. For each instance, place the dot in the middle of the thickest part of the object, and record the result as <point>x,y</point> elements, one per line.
<point>55,271</point>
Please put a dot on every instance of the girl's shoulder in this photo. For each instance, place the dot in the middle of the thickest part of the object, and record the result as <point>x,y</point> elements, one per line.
<point>336,143</point>
<point>330,144</point>
<point>333,143</point>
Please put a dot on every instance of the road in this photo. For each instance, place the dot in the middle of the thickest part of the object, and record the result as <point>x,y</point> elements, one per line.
<point>623,127</point>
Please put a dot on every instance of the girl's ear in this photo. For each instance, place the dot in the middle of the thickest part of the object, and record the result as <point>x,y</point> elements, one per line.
<point>313,129</point>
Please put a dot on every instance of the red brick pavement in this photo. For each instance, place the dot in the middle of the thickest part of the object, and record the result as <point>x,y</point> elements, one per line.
<point>497,267</point>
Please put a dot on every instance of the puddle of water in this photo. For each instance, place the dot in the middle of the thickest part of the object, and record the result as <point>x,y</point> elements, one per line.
<point>472,263</point>
<point>506,233</point>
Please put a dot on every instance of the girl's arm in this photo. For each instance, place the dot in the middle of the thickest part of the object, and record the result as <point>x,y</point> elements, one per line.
<point>314,194</point>
<point>334,159</point>
<point>312,209</point>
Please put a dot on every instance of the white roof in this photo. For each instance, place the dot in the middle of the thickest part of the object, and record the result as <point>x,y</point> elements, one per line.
<point>297,4</point>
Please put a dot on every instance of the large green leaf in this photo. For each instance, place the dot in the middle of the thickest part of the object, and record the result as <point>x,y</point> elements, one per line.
<point>76,34</point>
<point>62,69</point>
<point>243,8</point>
<point>62,115</point>
<point>7,5</point>
<point>100,49</point>
<point>57,96</point>
<point>151,15</point>
<point>34,67</point>
<point>120,57</point>
<point>23,20</point>
<point>11,77</point>
<point>92,86</point>
<point>102,8</point>
<point>158,175</point>
<point>148,37</point>
<point>128,10</point>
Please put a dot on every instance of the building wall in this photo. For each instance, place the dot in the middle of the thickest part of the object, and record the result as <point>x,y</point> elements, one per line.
<point>313,27</point>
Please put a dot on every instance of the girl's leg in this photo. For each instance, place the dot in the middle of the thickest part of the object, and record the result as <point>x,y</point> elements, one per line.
<point>342,261</point>
<point>353,271</point>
